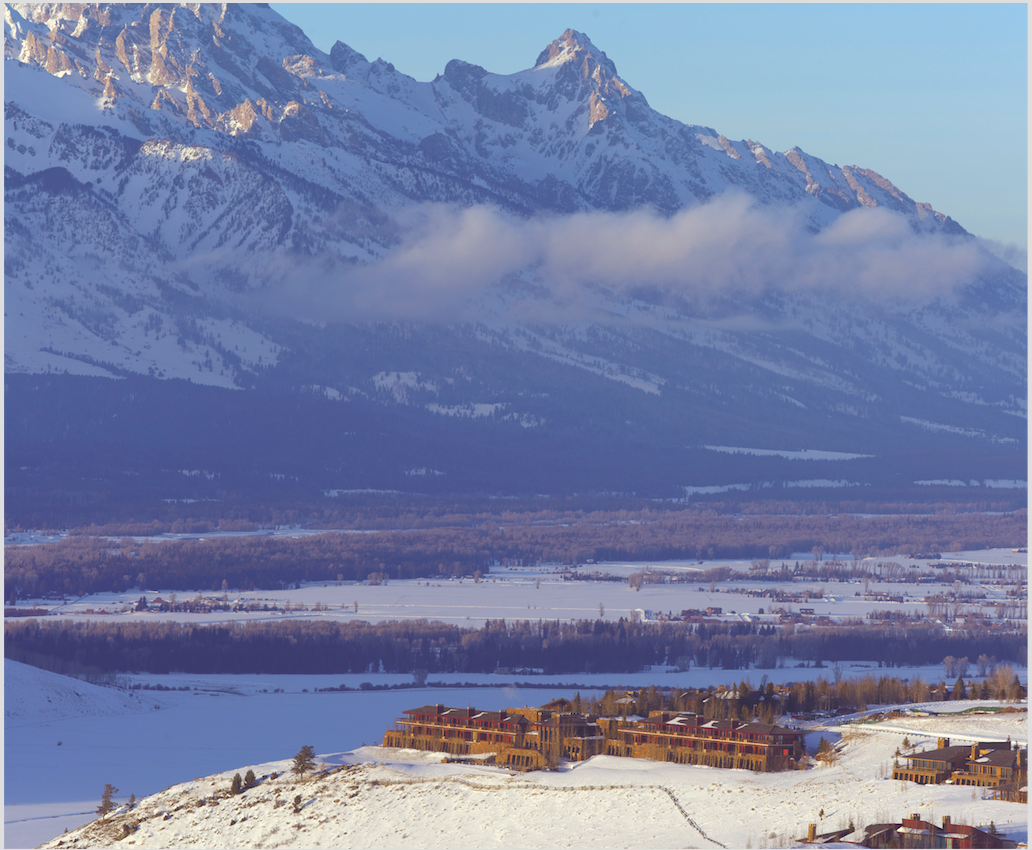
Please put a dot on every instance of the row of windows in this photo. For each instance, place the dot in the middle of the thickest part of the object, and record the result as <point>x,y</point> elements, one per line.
<point>467,722</point>
<point>695,743</point>
<point>919,778</point>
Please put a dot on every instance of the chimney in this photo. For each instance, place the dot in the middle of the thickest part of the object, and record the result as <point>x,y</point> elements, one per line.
<point>811,832</point>
<point>974,751</point>
<point>440,708</point>
<point>1019,759</point>
<point>944,743</point>
<point>915,816</point>
<point>945,821</point>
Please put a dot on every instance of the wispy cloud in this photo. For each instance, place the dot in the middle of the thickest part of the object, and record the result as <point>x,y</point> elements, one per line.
<point>1015,255</point>
<point>446,256</point>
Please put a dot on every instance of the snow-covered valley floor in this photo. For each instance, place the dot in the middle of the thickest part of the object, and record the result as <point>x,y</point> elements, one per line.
<point>402,798</point>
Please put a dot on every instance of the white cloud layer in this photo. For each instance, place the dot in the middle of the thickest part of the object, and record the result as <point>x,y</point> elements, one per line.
<point>448,255</point>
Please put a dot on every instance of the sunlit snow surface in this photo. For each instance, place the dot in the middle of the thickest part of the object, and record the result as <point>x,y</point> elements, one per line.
<point>407,799</point>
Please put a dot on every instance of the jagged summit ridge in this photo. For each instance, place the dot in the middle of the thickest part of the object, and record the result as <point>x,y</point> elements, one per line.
<point>244,71</point>
<point>573,47</point>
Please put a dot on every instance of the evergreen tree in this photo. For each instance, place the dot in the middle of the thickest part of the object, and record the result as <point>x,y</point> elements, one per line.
<point>249,779</point>
<point>304,761</point>
<point>106,803</point>
<point>236,785</point>
<point>1016,689</point>
<point>959,691</point>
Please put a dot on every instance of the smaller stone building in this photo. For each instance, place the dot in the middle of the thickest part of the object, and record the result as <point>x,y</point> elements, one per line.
<point>986,764</point>
<point>933,767</point>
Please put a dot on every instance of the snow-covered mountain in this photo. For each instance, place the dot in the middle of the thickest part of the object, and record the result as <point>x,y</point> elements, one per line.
<point>197,192</point>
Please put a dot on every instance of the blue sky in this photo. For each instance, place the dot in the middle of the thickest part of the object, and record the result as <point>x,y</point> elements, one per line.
<point>933,97</point>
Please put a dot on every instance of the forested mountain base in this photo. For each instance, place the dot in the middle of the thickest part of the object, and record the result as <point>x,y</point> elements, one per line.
<point>81,451</point>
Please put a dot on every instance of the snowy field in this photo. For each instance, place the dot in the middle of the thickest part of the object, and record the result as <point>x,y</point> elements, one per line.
<point>540,592</point>
<point>64,739</point>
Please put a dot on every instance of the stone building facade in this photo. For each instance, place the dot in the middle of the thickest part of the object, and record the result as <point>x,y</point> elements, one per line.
<point>537,738</point>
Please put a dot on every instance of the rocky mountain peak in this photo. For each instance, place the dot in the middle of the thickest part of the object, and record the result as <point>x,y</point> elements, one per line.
<point>462,76</point>
<point>573,46</point>
<point>586,74</point>
<point>345,60</point>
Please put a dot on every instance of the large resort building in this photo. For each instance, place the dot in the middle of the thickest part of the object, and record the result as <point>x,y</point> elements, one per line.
<point>538,738</point>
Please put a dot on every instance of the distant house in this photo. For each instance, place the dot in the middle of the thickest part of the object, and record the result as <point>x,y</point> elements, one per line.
<point>990,768</point>
<point>933,767</point>
<point>913,832</point>
<point>986,764</point>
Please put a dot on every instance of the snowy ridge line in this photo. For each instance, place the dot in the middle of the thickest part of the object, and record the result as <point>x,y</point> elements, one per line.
<point>687,817</point>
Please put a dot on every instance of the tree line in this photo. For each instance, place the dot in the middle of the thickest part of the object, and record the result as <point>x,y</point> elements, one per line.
<point>326,647</point>
<point>744,701</point>
<point>84,563</point>
<point>401,511</point>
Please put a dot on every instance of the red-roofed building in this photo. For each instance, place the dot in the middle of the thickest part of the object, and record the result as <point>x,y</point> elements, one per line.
<point>913,832</point>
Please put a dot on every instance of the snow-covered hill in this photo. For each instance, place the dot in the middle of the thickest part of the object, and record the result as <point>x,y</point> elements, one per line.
<point>375,797</point>
<point>32,695</point>
<point>196,192</point>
